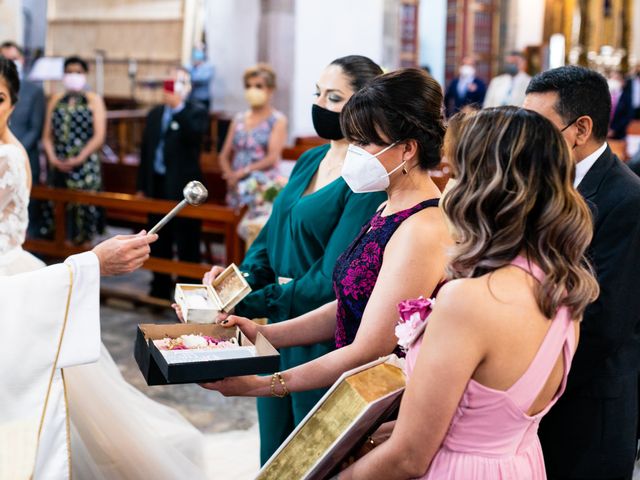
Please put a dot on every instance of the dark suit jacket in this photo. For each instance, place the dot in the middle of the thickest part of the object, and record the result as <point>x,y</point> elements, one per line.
<point>623,114</point>
<point>591,431</point>
<point>453,102</point>
<point>182,144</point>
<point>27,120</point>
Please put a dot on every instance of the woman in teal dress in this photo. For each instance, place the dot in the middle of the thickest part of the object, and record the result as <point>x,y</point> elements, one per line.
<point>314,218</point>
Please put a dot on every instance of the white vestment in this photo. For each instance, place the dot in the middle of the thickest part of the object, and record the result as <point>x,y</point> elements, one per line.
<point>49,320</point>
<point>507,90</point>
<point>117,432</point>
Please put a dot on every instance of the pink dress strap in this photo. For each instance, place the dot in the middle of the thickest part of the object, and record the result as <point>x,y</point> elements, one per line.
<point>560,338</point>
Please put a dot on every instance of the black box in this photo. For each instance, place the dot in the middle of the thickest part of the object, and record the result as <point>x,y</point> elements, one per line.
<point>157,371</point>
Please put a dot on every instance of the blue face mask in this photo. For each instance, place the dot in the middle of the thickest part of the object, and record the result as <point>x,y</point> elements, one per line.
<point>197,55</point>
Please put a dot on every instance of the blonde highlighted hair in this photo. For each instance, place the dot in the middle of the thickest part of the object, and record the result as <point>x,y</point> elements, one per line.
<point>515,195</point>
<point>261,70</point>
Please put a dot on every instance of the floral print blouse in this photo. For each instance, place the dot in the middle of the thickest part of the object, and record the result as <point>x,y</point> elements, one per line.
<point>357,269</point>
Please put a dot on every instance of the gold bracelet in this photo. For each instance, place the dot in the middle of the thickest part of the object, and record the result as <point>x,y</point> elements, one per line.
<point>285,390</point>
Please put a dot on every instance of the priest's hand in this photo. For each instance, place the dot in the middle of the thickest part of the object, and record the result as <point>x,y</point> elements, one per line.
<point>124,253</point>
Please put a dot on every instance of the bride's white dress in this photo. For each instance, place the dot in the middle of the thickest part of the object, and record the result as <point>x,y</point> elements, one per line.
<point>116,431</point>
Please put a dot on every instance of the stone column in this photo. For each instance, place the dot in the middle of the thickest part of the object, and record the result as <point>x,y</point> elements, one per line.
<point>11,21</point>
<point>324,31</point>
<point>276,47</point>
<point>231,28</point>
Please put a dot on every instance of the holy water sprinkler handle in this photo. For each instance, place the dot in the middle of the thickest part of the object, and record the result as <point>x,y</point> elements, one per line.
<point>194,194</point>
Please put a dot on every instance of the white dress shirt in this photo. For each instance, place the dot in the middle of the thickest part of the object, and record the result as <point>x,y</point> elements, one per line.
<point>583,167</point>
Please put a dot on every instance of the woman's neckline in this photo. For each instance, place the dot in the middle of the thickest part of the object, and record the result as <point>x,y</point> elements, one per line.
<point>422,202</point>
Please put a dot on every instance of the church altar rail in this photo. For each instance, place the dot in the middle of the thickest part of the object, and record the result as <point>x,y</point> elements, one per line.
<point>216,218</point>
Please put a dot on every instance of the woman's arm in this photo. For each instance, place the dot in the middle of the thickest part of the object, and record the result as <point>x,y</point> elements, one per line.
<point>277,140</point>
<point>406,273</point>
<point>316,326</point>
<point>227,150</point>
<point>96,104</point>
<point>454,345</point>
<point>313,327</point>
<point>47,134</point>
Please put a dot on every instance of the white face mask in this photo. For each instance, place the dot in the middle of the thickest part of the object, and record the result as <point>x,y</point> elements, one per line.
<point>614,85</point>
<point>74,81</point>
<point>467,71</point>
<point>364,173</point>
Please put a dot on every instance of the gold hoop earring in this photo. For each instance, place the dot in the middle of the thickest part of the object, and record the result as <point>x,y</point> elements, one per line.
<point>404,170</point>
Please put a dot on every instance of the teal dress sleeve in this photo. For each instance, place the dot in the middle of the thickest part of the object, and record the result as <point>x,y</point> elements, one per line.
<point>314,288</point>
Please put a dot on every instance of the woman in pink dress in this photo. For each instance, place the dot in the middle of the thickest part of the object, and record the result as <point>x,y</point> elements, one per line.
<point>502,333</point>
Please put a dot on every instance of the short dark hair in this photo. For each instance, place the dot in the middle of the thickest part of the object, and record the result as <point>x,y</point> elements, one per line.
<point>10,44</point>
<point>360,69</point>
<point>76,60</point>
<point>402,105</point>
<point>9,74</point>
<point>581,91</point>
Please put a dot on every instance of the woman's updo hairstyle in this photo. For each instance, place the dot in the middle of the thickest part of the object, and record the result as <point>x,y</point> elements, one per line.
<point>402,105</point>
<point>10,75</point>
<point>360,70</point>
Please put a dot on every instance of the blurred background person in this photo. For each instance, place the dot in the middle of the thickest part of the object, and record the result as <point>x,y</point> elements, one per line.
<point>621,106</point>
<point>74,132</point>
<point>26,122</point>
<point>464,90</point>
<point>169,159</point>
<point>202,73</point>
<point>509,88</point>
<point>254,142</point>
<point>634,85</point>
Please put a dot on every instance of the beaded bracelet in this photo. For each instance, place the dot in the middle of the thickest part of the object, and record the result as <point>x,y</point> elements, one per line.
<point>285,390</point>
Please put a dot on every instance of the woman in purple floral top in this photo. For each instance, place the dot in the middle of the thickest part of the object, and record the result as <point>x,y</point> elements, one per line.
<point>395,128</point>
<point>357,269</point>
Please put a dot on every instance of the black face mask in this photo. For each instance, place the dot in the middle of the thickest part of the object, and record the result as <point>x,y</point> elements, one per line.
<point>326,123</point>
<point>511,69</point>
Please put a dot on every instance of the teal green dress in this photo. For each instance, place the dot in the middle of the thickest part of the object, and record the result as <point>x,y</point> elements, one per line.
<point>299,244</point>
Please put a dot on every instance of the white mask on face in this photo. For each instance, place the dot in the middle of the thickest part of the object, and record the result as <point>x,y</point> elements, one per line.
<point>74,82</point>
<point>467,71</point>
<point>615,85</point>
<point>364,173</point>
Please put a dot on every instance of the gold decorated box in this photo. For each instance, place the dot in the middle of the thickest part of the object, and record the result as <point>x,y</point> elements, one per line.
<point>352,408</point>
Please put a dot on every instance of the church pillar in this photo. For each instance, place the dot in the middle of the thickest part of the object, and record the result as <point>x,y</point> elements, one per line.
<point>11,21</point>
<point>276,43</point>
<point>432,36</point>
<point>231,28</point>
<point>335,29</point>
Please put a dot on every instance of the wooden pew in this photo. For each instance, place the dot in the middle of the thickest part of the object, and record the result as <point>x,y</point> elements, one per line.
<point>220,219</point>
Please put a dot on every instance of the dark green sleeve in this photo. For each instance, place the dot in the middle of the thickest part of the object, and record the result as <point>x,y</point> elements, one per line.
<point>256,262</point>
<point>314,288</point>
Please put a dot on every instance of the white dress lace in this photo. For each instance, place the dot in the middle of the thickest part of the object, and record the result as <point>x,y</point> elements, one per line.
<point>116,431</point>
<point>14,200</point>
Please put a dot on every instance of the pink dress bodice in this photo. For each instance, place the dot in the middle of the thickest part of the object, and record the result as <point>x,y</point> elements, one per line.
<point>491,436</point>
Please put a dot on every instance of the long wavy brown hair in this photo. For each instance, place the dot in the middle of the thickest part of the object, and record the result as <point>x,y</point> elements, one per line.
<point>515,195</point>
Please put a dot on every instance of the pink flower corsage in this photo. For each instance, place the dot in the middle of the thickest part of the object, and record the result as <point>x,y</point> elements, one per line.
<point>413,320</point>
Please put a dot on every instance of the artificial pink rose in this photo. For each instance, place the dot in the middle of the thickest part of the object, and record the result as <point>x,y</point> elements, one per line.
<point>421,306</point>
<point>413,319</point>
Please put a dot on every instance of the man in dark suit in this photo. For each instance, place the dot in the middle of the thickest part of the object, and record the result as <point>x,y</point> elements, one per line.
<point>622,109</point>
<point>591,431</point>
<point>169,159</point>
<point>26,124</point>
<point>465,90</point>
